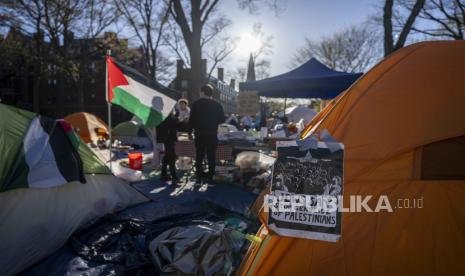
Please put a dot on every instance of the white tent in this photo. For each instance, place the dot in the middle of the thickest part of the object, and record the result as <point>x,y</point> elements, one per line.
<point>37,222</point>
<point>295,113</point>
<point>226,128</point>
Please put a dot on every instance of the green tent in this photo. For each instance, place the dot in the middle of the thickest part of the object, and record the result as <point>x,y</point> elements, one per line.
<point>133,133</point>
<point>131,128</point>
<point>49,159</point>
<point>41,152</point>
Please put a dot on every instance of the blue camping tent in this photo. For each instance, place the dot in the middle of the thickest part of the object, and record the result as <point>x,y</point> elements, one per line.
<point>310,80</point>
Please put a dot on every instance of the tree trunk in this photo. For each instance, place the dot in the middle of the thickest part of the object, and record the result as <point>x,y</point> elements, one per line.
<point>195,52</point>
<point>37,75</point>
<point>387,24</point>
<point>409,24</point>
<point>389,45</point>
<point>196,73</point>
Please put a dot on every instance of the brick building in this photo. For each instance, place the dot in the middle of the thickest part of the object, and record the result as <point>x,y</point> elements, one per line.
<point>225,93</point>
<point>58,95</point>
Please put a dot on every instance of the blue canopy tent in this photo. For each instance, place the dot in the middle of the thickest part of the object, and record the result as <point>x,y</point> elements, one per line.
<point>310,80</point>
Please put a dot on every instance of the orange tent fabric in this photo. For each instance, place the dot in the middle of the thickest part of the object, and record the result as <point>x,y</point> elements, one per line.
<point>394,123</point>
<point>85,125</point>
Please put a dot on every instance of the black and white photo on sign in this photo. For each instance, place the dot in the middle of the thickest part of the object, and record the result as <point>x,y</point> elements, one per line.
<point>308,175</point>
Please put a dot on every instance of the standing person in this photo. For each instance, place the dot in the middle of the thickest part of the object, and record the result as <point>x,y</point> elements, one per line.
<point>206,115</point>
<point>184,111</point>
<point>232,120</point>
<point>166,134</point>
<point>183,114</point>
<point>246,122</point>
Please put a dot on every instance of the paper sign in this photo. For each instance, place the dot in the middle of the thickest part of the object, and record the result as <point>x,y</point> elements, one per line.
<point>248,103</point>
<point>307,187</point>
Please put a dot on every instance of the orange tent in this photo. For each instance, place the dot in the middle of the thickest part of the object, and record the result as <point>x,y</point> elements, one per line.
<point>403,127</point>
<point>87,125</point>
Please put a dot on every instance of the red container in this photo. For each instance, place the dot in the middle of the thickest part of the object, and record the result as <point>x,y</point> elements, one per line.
<point>135,160</point>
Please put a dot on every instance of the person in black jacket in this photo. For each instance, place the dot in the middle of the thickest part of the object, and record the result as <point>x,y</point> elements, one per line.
<point>166,134</point>
<point>206,115</point>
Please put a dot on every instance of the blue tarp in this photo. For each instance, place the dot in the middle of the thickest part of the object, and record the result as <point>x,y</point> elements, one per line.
<point>310,80</point>
<point>118,244</point>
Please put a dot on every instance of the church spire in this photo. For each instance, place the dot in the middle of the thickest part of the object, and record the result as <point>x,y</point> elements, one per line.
<point>251,69</point>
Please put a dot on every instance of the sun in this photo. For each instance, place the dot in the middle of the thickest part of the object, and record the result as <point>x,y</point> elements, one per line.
<point>247,44</point>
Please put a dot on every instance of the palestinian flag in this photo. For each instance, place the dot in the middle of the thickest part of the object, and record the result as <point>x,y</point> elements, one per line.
<point>137,94</point>
<point>46,156</point>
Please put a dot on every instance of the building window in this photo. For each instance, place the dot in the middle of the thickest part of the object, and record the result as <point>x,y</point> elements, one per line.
<point>184,84</point>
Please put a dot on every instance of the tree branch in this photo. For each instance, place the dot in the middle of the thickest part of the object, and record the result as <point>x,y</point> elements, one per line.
<point>208,12</point>
<point>409,23</point>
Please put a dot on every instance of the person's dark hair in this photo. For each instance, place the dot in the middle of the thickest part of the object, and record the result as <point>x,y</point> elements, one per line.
<point>207,89</point>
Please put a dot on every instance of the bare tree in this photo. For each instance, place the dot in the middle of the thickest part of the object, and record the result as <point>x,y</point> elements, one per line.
<point>240,73</point>
<point>52,25</point>
<point>164,69</point>
<point>213,28</point>
<point>96,18</point>
<point>447,19</point>
<point>261,56</point>
<point>62,20</point>
<point>27,17</point>
<point>216,43</point>
<point>404,25</point>
<point>174,41</point>
<point>353,49</point>
<point>147,20</point>
<point>254,6</point>
<point>262,68</point>
<point>191,27</point>
<point>220,51</point>
<point>59,20</point>
<point>265,41</point>
<point>192,18</point>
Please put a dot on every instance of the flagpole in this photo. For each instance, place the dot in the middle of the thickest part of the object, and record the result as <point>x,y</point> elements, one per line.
<point>108,104</point>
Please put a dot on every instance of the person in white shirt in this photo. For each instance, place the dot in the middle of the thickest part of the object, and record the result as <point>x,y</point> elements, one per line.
<point>246,122</point>
<point>183,111</point>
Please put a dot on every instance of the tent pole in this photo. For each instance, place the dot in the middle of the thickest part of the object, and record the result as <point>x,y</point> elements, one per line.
<point>285,103</point>
<point>108,105</point>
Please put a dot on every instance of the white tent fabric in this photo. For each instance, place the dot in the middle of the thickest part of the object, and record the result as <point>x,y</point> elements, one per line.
<point>36,222</point>
<point>226,128</point>
<point>295,113</point>
<point>121,171</point>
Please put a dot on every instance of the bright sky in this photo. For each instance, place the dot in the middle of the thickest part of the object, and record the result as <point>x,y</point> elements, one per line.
<point>300,19</point>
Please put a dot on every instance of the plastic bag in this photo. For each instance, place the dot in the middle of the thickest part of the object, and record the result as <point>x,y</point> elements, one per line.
<point>254,160</point>
<point>203,249</point>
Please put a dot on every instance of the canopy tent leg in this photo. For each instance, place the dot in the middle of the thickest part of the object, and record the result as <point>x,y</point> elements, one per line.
<point>285,105</point>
